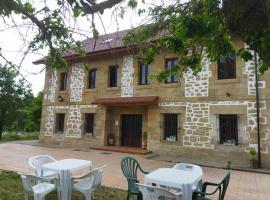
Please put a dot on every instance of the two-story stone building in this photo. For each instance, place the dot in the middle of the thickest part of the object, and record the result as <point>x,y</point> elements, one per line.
<point>209,117</point>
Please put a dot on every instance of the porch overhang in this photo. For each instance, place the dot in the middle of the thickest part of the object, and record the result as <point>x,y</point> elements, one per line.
<point>143,100</point>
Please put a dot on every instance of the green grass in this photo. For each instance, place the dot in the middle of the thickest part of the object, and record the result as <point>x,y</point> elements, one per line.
<point>11,189</point>
<point>12,136</point>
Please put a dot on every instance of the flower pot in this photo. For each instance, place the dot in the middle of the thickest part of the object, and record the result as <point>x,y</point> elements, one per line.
<point>144,144</point>
<point>111,141</point>
<point>254,164</point>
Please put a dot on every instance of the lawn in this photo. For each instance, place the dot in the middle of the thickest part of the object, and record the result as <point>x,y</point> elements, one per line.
<point>11,189</point>
<point>12,136</point>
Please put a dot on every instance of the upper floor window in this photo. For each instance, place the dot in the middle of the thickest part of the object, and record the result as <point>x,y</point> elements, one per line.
<point>92,78</point>
<point>89,123</point>
<point>228,129</point>
<point>170,127</point>
<point>113,75</point>
<point>63,81</point>
<point>60,123</point>
<point>227,67</point>
<point>144,74</point>
<point>169,65</point>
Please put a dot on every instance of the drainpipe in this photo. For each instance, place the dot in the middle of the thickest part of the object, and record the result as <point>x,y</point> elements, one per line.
<point>258,110</point>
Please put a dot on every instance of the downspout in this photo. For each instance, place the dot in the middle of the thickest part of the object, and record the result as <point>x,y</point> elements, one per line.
<point>258,110</point>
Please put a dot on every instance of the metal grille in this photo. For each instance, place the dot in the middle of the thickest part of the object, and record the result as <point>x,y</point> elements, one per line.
<point>228,128</point>
<point>60,123</point>
<point>89,123</point>
<point>170,127</point>
<point>227,67</point>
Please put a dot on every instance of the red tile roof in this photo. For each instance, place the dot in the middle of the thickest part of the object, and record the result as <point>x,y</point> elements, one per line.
<point>144,100</point>
<point>103,43</point>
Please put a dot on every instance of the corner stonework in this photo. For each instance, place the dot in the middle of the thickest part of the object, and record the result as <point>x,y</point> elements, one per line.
<point>127,77</point>
<point>52,86</point>
<point>77,82</point>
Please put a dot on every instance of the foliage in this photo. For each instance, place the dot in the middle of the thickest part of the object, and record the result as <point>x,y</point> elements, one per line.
<point>11,189</point>
<point>14,136</point>
<point>253,153</point>
<point>197,28</point>
<point>145,136</point>
<point>191,29</point>
<point>33,113</point>
<point>14,95</point>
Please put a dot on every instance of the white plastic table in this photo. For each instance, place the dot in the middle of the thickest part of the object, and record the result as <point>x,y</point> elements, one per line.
<point>64,168</point>
<point>185,180</point>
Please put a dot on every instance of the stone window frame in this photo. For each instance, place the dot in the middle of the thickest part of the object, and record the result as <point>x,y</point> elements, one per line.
<point>83,112</point>
<point>59,72</point>
<point>226,76</point>
<point>242,123</point>
<point>181,119</point>
<point>118,78</point>
<point>88,78</point>
<point>59,111</point>
<point>166,59</point>
<point>140,64</point>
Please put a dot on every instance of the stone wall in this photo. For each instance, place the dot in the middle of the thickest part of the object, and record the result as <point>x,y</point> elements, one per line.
<point>73,119</point>
<point>77,82</point>
<point>52,86</point>
<point>198,85</point>
<point>199,129</point>
<point>127,76</point>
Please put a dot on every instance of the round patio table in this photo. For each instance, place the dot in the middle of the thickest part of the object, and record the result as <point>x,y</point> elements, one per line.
<point>187,181</point>
<point>65,168</point>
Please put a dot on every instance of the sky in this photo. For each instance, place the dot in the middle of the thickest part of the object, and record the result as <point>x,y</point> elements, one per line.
<point>13,47</point>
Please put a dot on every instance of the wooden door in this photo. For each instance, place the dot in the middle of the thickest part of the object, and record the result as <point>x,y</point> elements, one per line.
<point>131,130</point>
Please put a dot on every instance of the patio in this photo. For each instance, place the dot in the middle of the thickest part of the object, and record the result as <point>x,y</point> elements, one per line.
<point>243,185</point>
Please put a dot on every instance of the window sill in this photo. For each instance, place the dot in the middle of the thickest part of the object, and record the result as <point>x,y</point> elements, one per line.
<point>170,142</point>
<point>91,90</point>
<point>62,91</point>
<point>170,85</point>
<point>227,81</point>
<point>113,88</point>
<point>139,87</point>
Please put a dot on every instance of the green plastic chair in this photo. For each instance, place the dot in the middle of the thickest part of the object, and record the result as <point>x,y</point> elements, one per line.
<point>220,187</point>
<point>130,168</point>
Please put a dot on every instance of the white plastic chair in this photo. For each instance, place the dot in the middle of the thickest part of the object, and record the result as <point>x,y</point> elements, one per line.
<point>98,180</point>
<point>84,183</point>
<point>191,167</point>
<point>154,193</point>
<point>36,163</point>
<point>39,186</point>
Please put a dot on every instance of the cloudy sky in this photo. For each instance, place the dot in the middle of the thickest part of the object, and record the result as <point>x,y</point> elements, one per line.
<point>13,46</point>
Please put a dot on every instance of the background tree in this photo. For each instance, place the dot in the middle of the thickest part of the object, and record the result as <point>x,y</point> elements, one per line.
<point>14,95</point>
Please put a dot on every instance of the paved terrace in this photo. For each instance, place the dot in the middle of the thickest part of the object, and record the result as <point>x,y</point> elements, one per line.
<point>243,185</point>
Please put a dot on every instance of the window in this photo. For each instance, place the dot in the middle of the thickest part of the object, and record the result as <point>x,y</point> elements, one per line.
<point>63,81</point>
<point>92,78</point>
<point>170,127</point>
<point>113,72</point>
<point>144,74</point>
<point>228,129</point>
<point>227,67</point>
<point>60,123</point>
<point>169,65</point>
<point>89,123</point>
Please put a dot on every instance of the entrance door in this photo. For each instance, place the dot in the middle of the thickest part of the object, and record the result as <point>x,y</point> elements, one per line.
<point>131,130</point>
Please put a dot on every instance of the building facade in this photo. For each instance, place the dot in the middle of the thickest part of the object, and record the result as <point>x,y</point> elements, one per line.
<point>209,117</point>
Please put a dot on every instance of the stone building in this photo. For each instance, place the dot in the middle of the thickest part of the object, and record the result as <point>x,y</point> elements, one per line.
<point>210,117</point>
